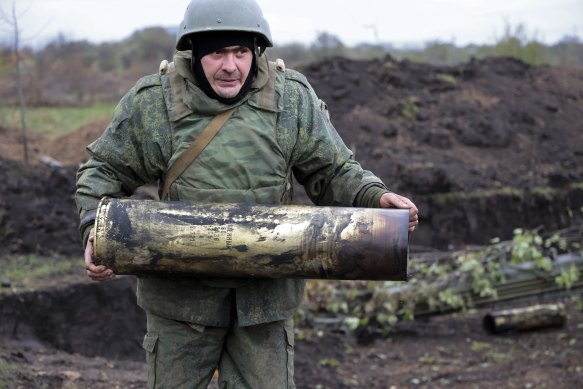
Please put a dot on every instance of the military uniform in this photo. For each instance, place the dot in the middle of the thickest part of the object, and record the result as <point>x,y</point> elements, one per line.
<point>279,128</point>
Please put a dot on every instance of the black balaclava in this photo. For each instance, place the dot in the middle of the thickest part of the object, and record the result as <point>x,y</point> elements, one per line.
<point>209,42</point>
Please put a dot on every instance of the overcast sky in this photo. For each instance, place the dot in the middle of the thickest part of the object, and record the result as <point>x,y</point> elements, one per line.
<point>353,21</point>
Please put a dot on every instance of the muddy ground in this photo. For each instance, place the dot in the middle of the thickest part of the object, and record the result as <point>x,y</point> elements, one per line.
<point>88,336</point>
<point>482,148</point>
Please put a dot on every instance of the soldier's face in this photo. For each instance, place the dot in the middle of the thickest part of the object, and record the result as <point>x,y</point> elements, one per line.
<point>227,69</point>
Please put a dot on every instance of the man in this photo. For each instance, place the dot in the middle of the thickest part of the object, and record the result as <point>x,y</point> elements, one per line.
<point>279,127</point>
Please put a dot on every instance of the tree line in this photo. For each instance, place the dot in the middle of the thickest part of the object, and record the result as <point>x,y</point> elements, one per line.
<point>67,72</point>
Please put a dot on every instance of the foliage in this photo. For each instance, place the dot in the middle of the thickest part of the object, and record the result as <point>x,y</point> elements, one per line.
<point>445,283</point>
<point>410,109</point>
<point>25,272</point>
<point>327,45</point>
<point>8,374</point>
<point>55,121</point>
<point>68,72</point>
<point>568,277</point>
<point>79,72</point>
<point>528,247</point>
<point>516,43</point>
<point>447,78</point>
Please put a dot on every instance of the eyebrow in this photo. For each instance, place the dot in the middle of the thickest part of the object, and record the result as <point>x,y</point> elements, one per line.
<point>234,48</point>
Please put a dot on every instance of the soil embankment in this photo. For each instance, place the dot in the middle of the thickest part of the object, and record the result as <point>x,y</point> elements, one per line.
<point>482,148</point>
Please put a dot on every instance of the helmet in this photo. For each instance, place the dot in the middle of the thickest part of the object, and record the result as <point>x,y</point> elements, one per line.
<point>223,15</point>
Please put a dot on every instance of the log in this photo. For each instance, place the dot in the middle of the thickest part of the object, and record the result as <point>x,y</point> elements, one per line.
<point>525,318</point>
<point>252,241</point>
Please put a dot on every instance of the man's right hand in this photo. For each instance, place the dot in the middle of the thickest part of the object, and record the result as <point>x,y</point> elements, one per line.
<point>95,272</point>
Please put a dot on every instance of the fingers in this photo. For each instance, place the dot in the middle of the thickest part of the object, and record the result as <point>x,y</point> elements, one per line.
<point>413,211</point>
<point>393,200</point>
<point>413,222</point>
<point>413,225</point>
<point>95,272</point>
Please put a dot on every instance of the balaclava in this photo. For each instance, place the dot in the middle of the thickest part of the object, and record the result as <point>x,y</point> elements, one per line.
<point>209,42</point>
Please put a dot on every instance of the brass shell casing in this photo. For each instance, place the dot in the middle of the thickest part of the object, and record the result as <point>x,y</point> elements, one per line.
<point>252,241</point>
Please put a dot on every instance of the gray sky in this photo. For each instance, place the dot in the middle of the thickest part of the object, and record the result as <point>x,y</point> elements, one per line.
<point>398,22</point>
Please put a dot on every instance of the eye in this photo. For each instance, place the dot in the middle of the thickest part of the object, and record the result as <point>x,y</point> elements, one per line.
<point>243,51</point>
<point>216,55</point>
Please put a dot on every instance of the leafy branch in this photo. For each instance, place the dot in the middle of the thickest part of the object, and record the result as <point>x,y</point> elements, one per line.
<point>441,282</point>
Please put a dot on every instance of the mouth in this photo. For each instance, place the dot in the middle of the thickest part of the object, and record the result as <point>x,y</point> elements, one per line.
<point>227,83</point>
<point>227,79</point>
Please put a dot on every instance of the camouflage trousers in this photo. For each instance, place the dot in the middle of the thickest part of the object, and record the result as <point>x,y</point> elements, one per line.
<point>186,355</point>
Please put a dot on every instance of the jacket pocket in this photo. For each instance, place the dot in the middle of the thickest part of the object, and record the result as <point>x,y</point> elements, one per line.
<point>149,344</point>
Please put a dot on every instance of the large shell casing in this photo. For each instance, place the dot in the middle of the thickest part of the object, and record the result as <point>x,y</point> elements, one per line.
<point>525,318</point>
<point>237,240</point>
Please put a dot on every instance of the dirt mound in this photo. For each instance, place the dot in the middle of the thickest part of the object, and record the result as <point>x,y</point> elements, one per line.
<point>37,211</point>
<point>71,319</point>
<point>475,145</point>
<point>11,144</point>
<point>483,148</point>
<point>70,149</point>
<point>64,338</point>
<point>485,124</point>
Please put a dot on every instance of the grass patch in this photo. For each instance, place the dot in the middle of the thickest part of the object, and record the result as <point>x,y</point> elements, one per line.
<point>55,121</point>
<point>27,272</point>
<point>446,197</point>
<point>410,109</point>
<point>8,374</point>
<point>447,78</point>
<point>547,192</point>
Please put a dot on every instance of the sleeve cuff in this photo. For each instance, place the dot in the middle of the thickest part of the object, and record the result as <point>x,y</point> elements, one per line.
<point>87,222</point>
<point>370,196</point>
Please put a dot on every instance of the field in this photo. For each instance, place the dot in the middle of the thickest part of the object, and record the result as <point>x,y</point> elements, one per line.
<point>483,148</point>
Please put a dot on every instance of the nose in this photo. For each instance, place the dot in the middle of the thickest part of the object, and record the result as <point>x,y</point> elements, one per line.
<point>229,64</point>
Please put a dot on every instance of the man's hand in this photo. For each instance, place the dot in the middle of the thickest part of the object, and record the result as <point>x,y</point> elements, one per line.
<point>95,272</point>
<point>393,200</point>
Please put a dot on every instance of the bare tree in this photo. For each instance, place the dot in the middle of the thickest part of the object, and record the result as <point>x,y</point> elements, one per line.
<point>11,19</point>
<point>375,31</point>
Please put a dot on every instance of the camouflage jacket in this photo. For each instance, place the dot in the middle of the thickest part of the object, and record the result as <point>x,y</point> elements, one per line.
<point>280,128</point>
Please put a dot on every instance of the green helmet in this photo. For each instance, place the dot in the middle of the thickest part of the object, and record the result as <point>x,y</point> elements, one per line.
<point>223,15</point>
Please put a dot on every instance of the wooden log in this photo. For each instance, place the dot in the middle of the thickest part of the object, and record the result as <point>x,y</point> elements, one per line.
<point>525,318</point>
<point>237,240</point>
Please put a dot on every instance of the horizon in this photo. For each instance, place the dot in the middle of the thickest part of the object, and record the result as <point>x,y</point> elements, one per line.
<point>457,22</point>
<point>420,45</point>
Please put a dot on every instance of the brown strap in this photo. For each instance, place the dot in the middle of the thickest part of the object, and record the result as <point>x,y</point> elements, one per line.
<point>194,150</point>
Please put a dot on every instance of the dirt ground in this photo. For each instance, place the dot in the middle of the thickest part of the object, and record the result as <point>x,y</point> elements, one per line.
<point>87,335</point>
<point>482,148</point>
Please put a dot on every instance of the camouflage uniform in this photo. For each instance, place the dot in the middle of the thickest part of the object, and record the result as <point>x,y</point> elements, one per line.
<point>280,128</point>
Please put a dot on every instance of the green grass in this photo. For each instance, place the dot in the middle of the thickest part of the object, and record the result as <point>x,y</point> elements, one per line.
<point>447,78</point>
<point>55,121</point>
<point>26,272</point>
<point>8,374</point>
<point>443,198</point>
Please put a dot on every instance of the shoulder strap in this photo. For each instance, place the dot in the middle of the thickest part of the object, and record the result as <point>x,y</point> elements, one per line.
<point>194,150</point>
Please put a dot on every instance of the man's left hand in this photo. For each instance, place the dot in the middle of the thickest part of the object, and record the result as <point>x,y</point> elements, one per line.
<point>393,200</point>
